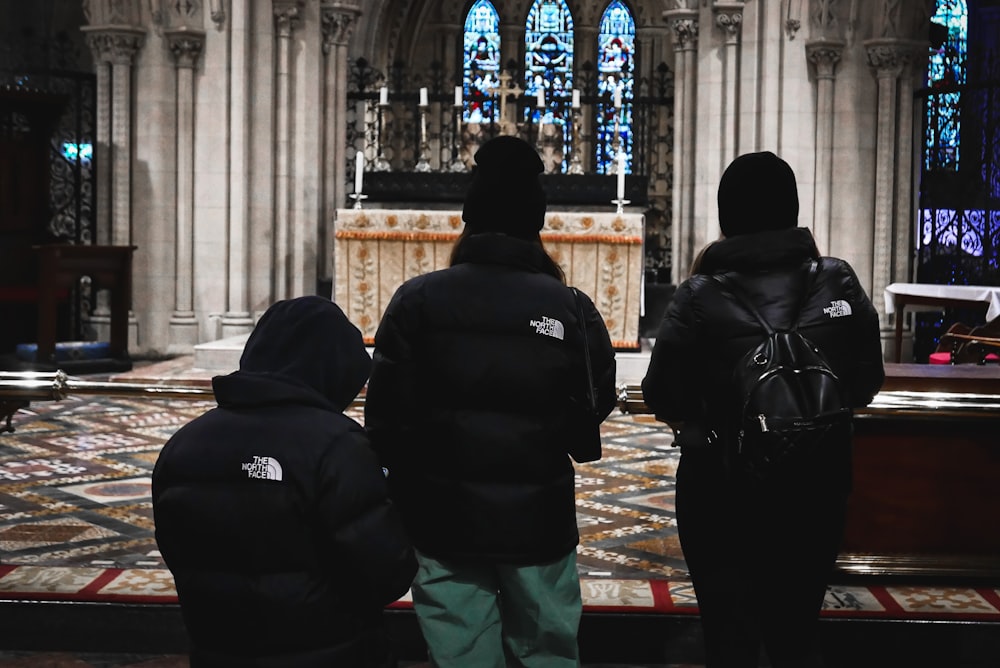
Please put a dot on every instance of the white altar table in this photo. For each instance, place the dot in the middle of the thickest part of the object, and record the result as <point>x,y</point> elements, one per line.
<point>900,295</point>
<point>375,250</point>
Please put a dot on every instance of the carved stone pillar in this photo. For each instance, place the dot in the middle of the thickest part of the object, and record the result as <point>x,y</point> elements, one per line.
<point>114,48</point>
<point>338,22</point>
<point>286,20</point>
<point>684,24</point>
<point>186,46</point>
<point>729,18</point>
<point>237,318</point>
<point>887,58</point>
<point>824,54</point>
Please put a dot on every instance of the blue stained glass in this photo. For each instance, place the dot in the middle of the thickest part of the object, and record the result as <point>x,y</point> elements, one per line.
<point>946,69</point>
<point>481,66</point>
<point>616,69</point>
<point>548,56</point>
<point>73,152</point>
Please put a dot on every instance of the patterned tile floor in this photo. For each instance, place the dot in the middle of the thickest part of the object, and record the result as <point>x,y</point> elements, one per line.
<point>76,520</point>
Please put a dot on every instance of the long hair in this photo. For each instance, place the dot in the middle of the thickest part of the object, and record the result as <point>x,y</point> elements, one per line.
<point>549,266</point>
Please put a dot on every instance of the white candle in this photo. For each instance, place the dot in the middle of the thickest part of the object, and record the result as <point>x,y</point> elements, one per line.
<point>618,98</point>
<point>359,171</point>
<point>423,97</point>
<point>458,96</point>
<point>540,98</point>
<point>621,175</point>
<point>383,96</point>
<point>576,98</point>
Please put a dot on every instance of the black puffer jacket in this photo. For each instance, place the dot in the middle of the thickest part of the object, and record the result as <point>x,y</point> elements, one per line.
<point>271,510</point>
<point>474,403</point>
<point>705,332</point>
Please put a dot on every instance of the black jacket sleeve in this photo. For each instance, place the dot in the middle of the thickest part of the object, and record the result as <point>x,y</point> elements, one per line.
<point>359,527</point>
<point>673,363</point>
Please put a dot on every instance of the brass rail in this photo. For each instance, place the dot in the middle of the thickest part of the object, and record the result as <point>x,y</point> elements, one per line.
<point>18,389</point>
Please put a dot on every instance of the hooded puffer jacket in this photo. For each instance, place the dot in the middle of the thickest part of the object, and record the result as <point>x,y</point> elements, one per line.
<point>705,331</point>
<point>271,510</point>
<point>475,402</point>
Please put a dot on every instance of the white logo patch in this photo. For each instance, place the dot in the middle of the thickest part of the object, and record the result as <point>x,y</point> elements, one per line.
<point>263,468</point>
<point>549,327</point>
<point>838,308</point>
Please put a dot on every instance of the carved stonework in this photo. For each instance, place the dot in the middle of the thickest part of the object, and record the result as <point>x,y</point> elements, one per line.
<point>217,9</point>
<point>338,22</point>
<point>729,17</point>
<point>684,24</point>
<point>186,46</point>
<point>823,18</point>
<point>824,55</point>
<point>888,57</point>
<point>112,12</point>
<point>114,45</point>
<point>287,16</point>
<point>889,18</point>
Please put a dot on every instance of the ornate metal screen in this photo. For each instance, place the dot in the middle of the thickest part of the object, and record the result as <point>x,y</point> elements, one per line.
<point>958,226</point>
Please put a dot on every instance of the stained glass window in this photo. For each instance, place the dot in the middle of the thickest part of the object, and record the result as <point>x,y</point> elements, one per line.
<point>548,63</point>
<point>482,61</point>
<point>615,86</point>
<point>945,72</point>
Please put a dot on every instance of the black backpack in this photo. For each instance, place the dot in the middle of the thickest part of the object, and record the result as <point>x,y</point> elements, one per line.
<point>789,412</point>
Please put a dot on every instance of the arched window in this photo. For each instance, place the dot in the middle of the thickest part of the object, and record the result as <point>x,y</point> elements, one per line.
<point>548,61</point>
<point>945,72</point>
<point>615,86</point>
<point>482,61</point>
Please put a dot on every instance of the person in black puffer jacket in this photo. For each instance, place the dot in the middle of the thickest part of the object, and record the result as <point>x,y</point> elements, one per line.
<point>272,512</point>
<point>759,559</point>
<point>477,400</point>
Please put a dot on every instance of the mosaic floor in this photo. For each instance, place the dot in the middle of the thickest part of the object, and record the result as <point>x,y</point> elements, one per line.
<point>76,520</point>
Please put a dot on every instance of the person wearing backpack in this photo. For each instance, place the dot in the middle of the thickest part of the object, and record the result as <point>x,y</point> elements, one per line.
<point>762,356</point>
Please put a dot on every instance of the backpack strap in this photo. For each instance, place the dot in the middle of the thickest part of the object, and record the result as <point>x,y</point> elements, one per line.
<point>734,290</point>
<point>811,272</point>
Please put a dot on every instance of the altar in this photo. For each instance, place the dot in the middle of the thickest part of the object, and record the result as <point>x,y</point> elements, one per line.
<point>376,250</point>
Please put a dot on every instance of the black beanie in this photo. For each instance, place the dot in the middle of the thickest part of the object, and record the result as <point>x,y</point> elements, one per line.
<point>757,192</point>
<point>505,194</point>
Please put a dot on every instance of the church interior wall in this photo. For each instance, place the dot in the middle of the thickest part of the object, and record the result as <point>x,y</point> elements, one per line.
<point>756,90</point>
<point>154,208</point>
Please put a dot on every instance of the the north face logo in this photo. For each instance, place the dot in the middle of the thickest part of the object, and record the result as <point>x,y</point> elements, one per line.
<point>549,327</point>
<point>838,308</point>
<point>264,468</point>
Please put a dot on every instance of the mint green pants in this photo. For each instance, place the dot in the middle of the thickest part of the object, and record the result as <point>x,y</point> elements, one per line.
<point>482,615</point>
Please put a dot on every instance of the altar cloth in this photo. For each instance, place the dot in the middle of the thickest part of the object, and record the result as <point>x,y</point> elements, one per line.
<point>376,250</point>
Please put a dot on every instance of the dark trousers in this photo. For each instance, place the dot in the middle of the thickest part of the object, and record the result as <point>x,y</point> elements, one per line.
<point>760,560</point>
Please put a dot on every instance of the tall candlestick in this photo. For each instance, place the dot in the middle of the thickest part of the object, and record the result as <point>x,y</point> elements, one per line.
<point>618,98</point>
<point>383,96</point>
<point>540,98</point>
<point>621,175</point>
<point>576,98</point>
<point>359,170</point>
<point>423,97</point>
<point>458,96</point>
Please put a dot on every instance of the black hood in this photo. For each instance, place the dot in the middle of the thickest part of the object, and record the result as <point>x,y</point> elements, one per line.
<point>302,350</point>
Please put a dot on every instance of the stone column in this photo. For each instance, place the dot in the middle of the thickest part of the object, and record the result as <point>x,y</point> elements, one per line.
<point>237,318</point>
<point>824,54</point>
<point>905,165</point>
<point>887,58</point>
<point>114,48</point>
<point>684,24</point>
<point>186,46</point>
<point>286,19</point>
<point>338,22</point>
<point>729,17</point>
